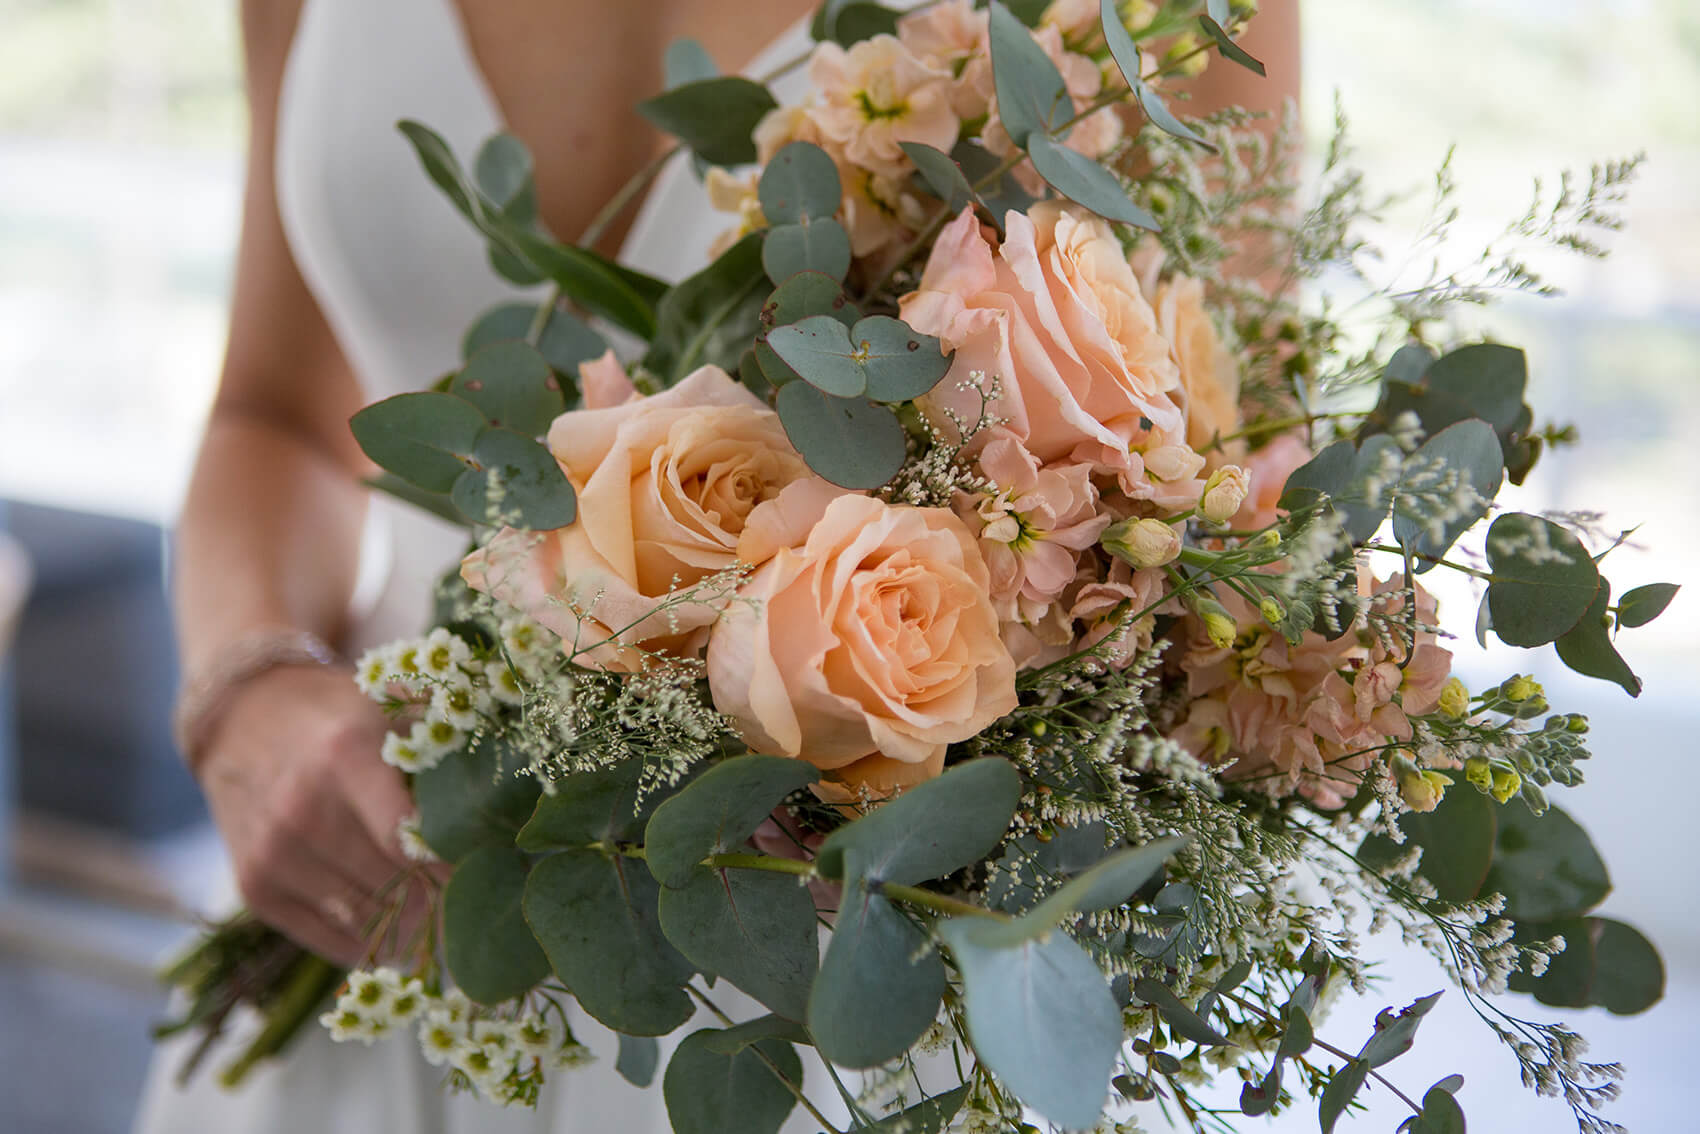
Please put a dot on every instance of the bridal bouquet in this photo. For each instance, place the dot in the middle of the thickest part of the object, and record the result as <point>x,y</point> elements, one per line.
<point>985,625</point>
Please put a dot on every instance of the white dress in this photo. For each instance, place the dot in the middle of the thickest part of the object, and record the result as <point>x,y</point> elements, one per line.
<point>400,276</point>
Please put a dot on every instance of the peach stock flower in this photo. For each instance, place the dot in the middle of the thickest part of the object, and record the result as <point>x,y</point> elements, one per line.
<point>1056,317</point>
<point>877,94</point>
<point>664,486</point>
<point>866,629</point>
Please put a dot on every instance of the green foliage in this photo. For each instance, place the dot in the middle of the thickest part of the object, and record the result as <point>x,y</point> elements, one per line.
<point>515,482</point>
<point>1587,647</point>
<point>486,942</point>
<point>849,441</point>
<point>1001,193</point>
<point>930,830</point>
<point>1441,1114</point>
<point>424,438</point>
<point>566,341</point>
<point>714,117</point>
<point>1342,1087</point>
<point>686,61</point>
<point>595,916</point>
<point>1106,885</point>
<point>477,797</point>
<point>1126,54</point>
<point>1643,604</point>
<point>1182,1020</point>
<point>513,386</point>
<point>1545,865</point>
<point>1395,1032</point>
<point>800,183</point>
<point>879,984</point>
<point>930,1116</point>
<point>754,928</point>
<point>711,317</point>
<point>638,1059</point>
<point>881,357</point>
<point>718,811</point>
<point>1040,1015</point>
<point>1032,97</point>
<point>1482,380</point>
<point>624,297</point>
<point>798,297</point>
<point>1604,963</point>
<point>1445,487</point>
<point>847,22</point>
<point>708,1092</point>
<point>1084,181</point>
<point>814,246</point>
<point>1543,580</point>
<point>598,806</point>
<point>1230,50</point>
<point>942,175</point>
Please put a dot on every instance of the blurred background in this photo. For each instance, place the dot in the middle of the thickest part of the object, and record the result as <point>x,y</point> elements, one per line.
<point>120,147</point>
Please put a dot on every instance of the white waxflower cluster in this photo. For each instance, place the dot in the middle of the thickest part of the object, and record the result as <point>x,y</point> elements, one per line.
<point>458,692</point>
<point>502,1058</point>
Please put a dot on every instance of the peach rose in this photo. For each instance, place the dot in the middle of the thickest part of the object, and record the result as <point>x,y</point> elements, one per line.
<point>1055,316</point>
<point>866,630</point>
<point>665,485</point>
<point>1209,373</point>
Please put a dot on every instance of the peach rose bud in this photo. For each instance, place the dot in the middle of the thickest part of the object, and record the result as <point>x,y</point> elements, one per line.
<point>1223,493</point>
<point>1143,543</point>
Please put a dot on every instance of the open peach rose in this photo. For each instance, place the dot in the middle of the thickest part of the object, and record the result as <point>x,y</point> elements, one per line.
<point>665,485</point>
<point>1056,317</point>
<point>1209,373</point>
<point>867,629</point>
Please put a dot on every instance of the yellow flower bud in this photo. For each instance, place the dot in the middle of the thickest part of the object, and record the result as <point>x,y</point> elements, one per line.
<point>1271,610</point>
<point>1142,543</point>
<point>1506,783</point>
<point>1223,493</point>
<point>1454,699</point>
<point>1421,790</point>
<point>1520,688</point>
<point>1479,772</point>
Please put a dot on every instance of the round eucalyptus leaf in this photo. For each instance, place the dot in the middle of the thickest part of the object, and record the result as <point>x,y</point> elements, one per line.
<point>597,806</point>
<point>1340,1091</point>
<point>1429,514</point>
<point>476,797</point>
<point>799,184</point>
<point>595,918</point>
<point>1032,97</point>
<point>1326,474</point>
<point>930,830</point>
<point>718,811</point>
<point>879,986</point>
<point>1083,181</point>
<point>638,1059</point>
<point>1641,605</point>
<point>820,351</point>
<point>686,61</point>
<point>514,482</point>
<point>1545,865</point>
<point>1107,884</point>
<point>930,1116</point>
<point>899,361</point>
<point>752,927</point>
<point>486,942</point>
<point>1041,1016</point>
<point>805,294</point>
<point>1441,1113</point>
<point>502,169</point>
<point>1604,963</point>
<point>1485,380</point>
<point>846,440</point>
<point>710,1093</point>
<point>1543,580</point>
<point>1457,839</point>
<point>1587,647</point>
<point>815,246</point>
<point>512,384</point>
<point>425,438</point>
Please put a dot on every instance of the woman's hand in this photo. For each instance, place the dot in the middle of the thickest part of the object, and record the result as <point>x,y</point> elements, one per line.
<point>308,810</point>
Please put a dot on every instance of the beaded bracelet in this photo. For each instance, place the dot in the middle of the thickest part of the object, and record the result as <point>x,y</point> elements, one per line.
<point>203,699</point>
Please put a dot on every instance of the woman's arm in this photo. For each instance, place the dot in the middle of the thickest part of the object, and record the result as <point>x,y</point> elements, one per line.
<point>269,539</point>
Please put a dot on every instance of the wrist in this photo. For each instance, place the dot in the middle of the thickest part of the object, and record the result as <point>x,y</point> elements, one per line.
<point>207,693</point>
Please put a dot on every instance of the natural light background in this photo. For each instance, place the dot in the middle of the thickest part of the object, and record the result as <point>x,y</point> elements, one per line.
<point>120,132</point>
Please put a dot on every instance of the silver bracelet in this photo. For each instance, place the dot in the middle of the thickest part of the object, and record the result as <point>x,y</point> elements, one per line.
<point>204,698</point>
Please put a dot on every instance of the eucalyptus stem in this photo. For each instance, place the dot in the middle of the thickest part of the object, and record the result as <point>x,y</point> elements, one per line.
<point>310,981</point>
<point>1475,572</point>
<point>938,903</point>
<point>625,196</point>
<point>1328,1047</point>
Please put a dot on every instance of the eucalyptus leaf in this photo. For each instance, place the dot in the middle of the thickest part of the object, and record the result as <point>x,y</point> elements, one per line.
<point>515,482</point>
<point>1466,453</point>
<point>805,294</point>
<point>1545,865</point>
<point>717,811</point>
<point>861,20</point>
<point>714,117</point>
<point>513,386</point>
<point>1395,1032</point>
<point>476,797</point>
<point>819,350</point>
<point>1457,838</point>
<point>942,175</point>
<point>711,317</point>
<point>816,246</point>
<point>880,356</point>
<point>849,441</point>
<point>638,1059</point>
<point>739,1036</point>
<point>929,1116</point>
<point>598,806</point>
<point>486,942</point>
<point>1082,180</point>
<point>1066,853</point>
<point>879,985</point>
<point>502,170</point>
<point>686,61</point>
<point>710,1093</point>
<point>1587,647</point>
<point>595,917</point>
<point>1604,963</point>
<point>424,438</point>
<point>1641,605</point>
<point>1230,50</point>
<point>436,503</point>
<point>1543,579</point>
<point>1032,97</point>
<point>1105,886</point>
<point>1441,1114</point>
<point>1338,1094</point>
<point>566,340</point>
<point>1183,1021</point>
<point>800,183</point>
<point>1040,1015</point>
<point>934,828</point>
<point>999,194</point>
<point>754,928</point>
